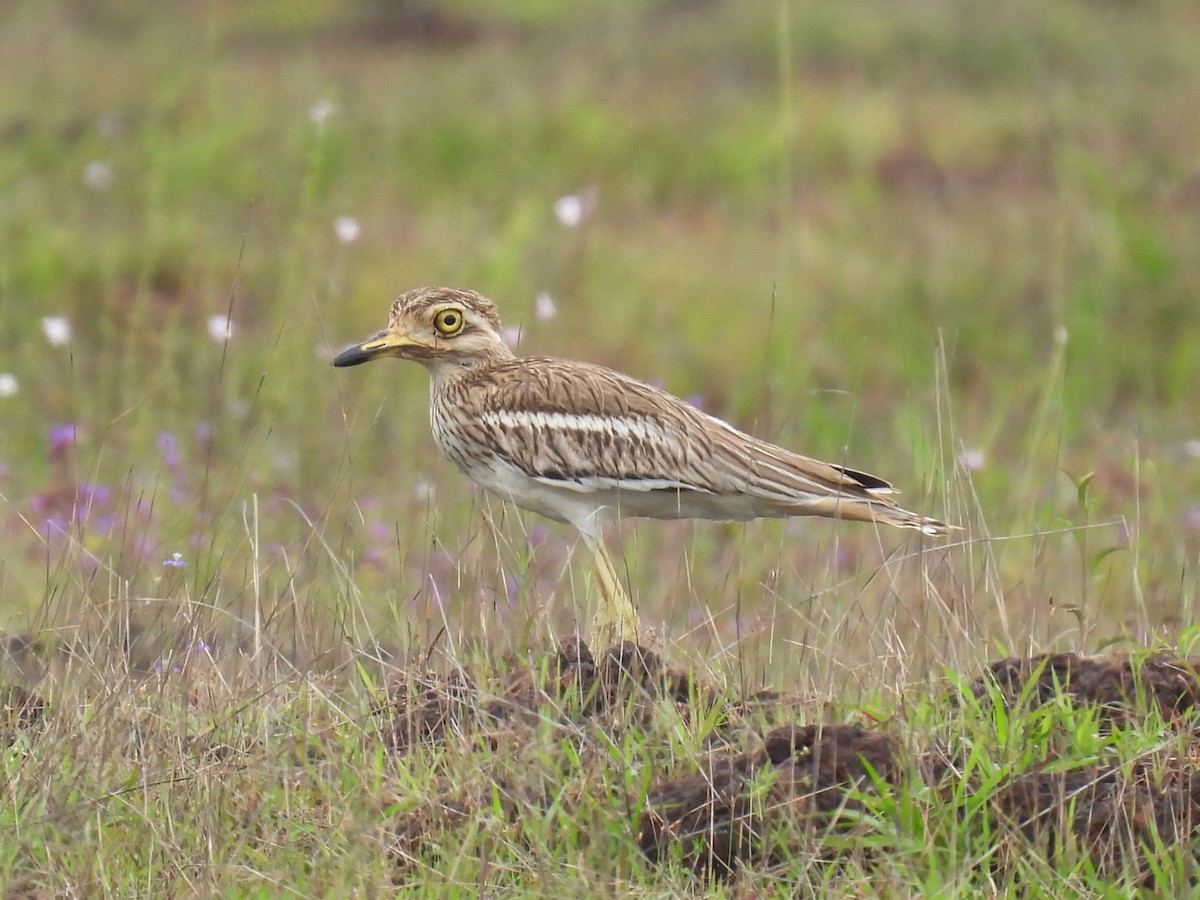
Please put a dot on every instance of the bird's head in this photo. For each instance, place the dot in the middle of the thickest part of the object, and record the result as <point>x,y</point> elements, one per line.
<point>436,326</point>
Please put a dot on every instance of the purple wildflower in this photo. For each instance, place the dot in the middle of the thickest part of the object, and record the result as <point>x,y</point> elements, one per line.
<point>63,436</point>
<point>168,446</point>
<point>175,562</point>
<point>54,525</point>
<point>144,546</point>
<point>90,494</point>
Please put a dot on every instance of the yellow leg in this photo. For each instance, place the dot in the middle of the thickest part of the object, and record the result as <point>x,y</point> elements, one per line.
<point>616,619</point>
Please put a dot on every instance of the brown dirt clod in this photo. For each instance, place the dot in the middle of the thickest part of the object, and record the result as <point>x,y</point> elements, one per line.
<point>798,782</point>
<point>1124,685</point>
<point>802,788</point>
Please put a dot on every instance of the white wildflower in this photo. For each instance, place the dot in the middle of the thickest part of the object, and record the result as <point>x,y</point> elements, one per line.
<point>320,111</point>
<point>57,329</point>
<point>972,460</point>
<point>98,175</point>
<point>112,123</point>
<point>8,384</point>
<point>220,328</point>
<point>573,209</point>
<point>347,229</point>
<point>544,308</point>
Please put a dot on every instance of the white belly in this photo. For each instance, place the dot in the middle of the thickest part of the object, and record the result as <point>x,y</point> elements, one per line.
<point>561,504</point>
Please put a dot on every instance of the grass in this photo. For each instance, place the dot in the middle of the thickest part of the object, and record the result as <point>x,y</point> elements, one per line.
<point>946,244</point>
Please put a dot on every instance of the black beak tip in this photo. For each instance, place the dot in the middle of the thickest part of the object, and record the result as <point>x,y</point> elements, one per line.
<point>351,356</point>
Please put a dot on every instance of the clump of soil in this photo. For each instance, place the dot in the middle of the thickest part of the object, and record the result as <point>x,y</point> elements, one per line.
<point>1125,686</point>
<point>800,781</point>
<point>594,741</point>
<point>20,710</point>
<point>424,707</point>
<point>1116,815</point>
<point>755,798</point>
<point>544,740</point>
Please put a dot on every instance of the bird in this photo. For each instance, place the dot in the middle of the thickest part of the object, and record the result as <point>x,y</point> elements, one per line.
<point>587,445</point>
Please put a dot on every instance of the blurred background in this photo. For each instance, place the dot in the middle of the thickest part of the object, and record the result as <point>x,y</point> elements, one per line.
<point>949,243</point>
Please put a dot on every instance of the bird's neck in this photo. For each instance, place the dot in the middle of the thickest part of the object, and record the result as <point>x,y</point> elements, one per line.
<point>447,371</point>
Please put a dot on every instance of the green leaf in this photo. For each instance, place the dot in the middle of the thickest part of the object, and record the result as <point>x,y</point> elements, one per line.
<point>1081,489</point>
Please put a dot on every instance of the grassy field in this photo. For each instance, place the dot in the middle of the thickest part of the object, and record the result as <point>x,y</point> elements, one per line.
<point>947,243</point>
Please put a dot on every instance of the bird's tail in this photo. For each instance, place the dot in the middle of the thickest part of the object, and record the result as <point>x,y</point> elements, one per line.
<point>876,509</point>
<point>903,518</point>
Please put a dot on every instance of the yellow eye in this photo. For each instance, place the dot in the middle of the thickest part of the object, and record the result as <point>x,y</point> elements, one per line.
<point>448,322</point>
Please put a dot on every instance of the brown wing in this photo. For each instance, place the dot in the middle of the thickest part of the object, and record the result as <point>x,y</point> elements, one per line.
<point>586,426</point>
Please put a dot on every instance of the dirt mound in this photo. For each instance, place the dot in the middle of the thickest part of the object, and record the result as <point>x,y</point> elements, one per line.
<point>799,782</point>
<point>759,792</point>
<point>20,710</point>
<point>423,707</point>
<point>1116,815</point>
<point>1123,685</point>
<point>544,741</point>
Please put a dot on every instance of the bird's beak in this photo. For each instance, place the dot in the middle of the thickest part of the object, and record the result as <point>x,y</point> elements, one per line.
<point>385,343</point>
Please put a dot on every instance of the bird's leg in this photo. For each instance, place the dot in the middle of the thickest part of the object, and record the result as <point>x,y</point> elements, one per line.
<point>616,619</point>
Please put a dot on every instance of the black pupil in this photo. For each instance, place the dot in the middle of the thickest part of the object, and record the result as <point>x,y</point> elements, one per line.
<point>449,320</point>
